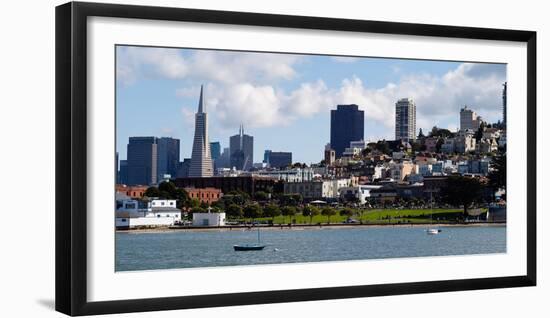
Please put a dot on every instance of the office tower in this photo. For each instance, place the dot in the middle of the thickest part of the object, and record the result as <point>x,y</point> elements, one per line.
<point>347,124</point>
<point>142,161</point>
<point>504,87</point>
<point>168,151</point>
<point>215,150</point>
<point>405,119</point>
<point>469,120</point>
<point>201,162</point>
<point>123,172</point>
<point>266,156</point>
<point>224,159</point>
<point>183,168</point>
<point>116,167</point>
<point>278,159</point>
<point>241,149</point>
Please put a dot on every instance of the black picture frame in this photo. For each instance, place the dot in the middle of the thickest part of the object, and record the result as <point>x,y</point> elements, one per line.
<point>71,157</point>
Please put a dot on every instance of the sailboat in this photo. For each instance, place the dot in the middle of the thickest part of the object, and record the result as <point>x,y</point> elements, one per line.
<point>250,247</point>
<point>432,231</point>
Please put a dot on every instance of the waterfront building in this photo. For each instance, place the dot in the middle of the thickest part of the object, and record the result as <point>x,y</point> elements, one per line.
<point>131,213</point>
<point>201,162</point>
<point>347,123</point>
<point>142,161</point>
<point>204,195</point>
<point>278,159</point>
<point>469,120</point>
<point>241,150</point>
<point>168,152</point>
<point>405,119</point>
<point>209,219</point>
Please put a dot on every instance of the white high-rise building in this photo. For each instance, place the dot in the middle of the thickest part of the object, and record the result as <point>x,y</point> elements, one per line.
<point>201,160</point>
<point>469,120</point>
<point>405,119</point>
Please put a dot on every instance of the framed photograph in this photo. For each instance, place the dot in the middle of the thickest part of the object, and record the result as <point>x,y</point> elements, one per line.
<point>211,158</point>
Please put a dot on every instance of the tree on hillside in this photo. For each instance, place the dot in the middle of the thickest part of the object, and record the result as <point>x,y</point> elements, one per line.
<point>462,191</point>
<point>497,177</point>
<point>328,212</point>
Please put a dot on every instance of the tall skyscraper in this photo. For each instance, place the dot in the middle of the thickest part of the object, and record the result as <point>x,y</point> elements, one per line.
<point>347,124</point>
<point>405,119</point>
<point>215,150</point>
<point>142,161</point>
<point>201,162</point>
<point>123,172</point>
<point>241,149</point>
<point>469,120</point>
<point>168,151</point>
<point>504,87</point>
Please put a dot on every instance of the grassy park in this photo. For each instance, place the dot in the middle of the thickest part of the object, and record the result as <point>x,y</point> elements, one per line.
<point>374,216</point>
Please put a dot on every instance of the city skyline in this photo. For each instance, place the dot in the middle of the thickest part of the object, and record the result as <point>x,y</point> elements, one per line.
<point>157,88</point>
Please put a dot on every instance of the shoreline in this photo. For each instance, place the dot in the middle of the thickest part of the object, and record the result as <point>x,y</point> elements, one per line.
<point>301,227</point>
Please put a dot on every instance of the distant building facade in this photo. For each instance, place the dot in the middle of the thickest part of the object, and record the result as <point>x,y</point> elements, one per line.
<point>248,184</point>
<point>330,155</point>
<point>168,151</point>
<point>204,195</point>
<point>241,150</point>
<point>347,124</point>
<point>278,159</point>
<point>215,150</point>
<point>142,161</point>
<point>405,120</point>
<point>469,120</point>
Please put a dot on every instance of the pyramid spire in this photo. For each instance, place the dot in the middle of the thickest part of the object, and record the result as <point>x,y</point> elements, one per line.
<point>201,108</point>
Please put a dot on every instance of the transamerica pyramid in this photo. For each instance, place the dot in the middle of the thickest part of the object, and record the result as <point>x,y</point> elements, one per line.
<point>201,160</point>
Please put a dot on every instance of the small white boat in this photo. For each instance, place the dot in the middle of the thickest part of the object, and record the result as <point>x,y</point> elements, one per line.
<point>433,231</point>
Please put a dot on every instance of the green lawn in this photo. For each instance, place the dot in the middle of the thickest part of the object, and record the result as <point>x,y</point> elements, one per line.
<point>377,216</point>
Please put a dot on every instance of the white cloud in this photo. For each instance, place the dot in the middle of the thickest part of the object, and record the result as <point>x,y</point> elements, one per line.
<point>206,65</point>
<point>246,87</point>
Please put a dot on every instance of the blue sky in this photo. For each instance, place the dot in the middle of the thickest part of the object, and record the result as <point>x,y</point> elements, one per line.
<point>284,100</point>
